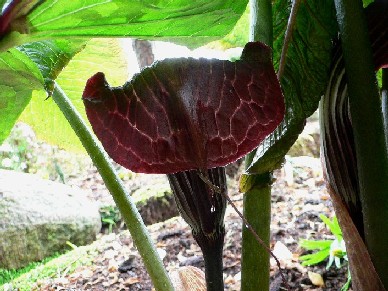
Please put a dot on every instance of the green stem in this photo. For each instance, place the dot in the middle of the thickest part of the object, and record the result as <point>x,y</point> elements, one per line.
<point>261,21</point>
<point>257,201</point>
<point>255,259</point>
<point>260,30</point>
<point>123,201</point>
<point>367,121</point>
<point>384,97</point>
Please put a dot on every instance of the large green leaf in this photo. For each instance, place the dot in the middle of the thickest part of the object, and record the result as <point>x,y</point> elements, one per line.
<point>44,116</point>
<point>186,21</point>
<point>305,75</point>
<point>238,36</point>
<point>51,57</point>
<point>19,77</point>
<point>29,67</point>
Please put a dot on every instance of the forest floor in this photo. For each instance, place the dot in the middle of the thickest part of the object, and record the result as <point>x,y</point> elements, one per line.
<point>298,198</point>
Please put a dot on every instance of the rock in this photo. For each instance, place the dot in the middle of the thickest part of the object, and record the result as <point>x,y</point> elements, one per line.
<point>38,217</point>
<point>155,202</point>
<point>153,199</point>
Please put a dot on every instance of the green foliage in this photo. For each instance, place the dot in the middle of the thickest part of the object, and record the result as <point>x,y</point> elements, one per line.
<point>177,20</point>
<point>10,275</point>
<point>98,55</point>
<point>59,172</point>
<point>379,77</point>
<point>333,226</point>
<point>2,2</point>
<point>334,249</point>
<point>32,67</point>
<point>51,57</point>
<point>110,216</point>
<point>308,59</point>
<point>238,37</point>
<point>26,279</point>
<point>19,78</point>
<point>367,2</point>
<point>347,284</point>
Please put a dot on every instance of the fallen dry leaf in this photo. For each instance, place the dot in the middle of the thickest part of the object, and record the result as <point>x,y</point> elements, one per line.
<point>131,281</point>
<point>316,279</point>
<point>188,278</point>
<point>282,252</point>
<point>113,266</point>
<point>230,280</point>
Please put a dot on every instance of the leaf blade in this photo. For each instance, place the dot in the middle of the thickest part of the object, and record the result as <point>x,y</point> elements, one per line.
<point>20,77</point>
<point>51,57</point>
<point>311,45</point>
<point>168,20</point>
<point>315,258</point>
<point>98,54</point>
<point>315,244</point>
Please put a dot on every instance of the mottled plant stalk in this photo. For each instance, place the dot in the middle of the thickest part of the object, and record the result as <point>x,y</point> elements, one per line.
<point>203,209</point>
<point>255,258</point>
<point>257,201</point>
<point>368,126</point>
<point>384,99</point>
<point>122,199</point>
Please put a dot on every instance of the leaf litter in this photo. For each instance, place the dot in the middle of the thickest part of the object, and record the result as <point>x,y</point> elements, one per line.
<point>299,197</point>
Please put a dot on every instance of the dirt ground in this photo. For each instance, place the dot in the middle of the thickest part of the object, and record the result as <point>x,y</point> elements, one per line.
<point>298,197</point>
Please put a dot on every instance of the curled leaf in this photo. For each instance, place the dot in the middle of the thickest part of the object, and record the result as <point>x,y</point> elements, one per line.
<point>183,114</point>
<point>188,278</point>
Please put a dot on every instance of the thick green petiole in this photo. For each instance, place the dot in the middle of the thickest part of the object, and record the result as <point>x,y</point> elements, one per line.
<point>123,201</point>
<point>255,258</point>
<point>257,201</point>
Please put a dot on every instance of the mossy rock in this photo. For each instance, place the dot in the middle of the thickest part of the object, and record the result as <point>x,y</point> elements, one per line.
<point>155,203</point>
<point>38,217</point>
